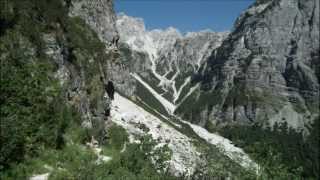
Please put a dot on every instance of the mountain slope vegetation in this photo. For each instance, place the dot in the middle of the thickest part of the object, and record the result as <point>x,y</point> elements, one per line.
<point>41,128</point>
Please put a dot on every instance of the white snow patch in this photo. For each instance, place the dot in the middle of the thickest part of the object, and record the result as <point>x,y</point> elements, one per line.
<point>128,115</point>
<point>177,95</point>
<point>166,104</point>
<point>188,94</point>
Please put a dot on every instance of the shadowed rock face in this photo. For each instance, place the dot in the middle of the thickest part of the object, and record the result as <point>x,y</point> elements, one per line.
<point>267,70</point>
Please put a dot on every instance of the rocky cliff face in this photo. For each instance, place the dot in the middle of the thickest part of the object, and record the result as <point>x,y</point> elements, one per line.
<point>80,53</point>
<point>266,71</point>
<point>163,60</point>
<point>183,59</point>
<point>99,15</point>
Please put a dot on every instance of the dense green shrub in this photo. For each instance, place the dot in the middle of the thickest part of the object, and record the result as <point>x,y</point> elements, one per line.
<point>282,152</point>
<point>32,116</point>
<point>136,162</point>
<point>78,162</point>
<point>82,38</point>
<point>117,137</point>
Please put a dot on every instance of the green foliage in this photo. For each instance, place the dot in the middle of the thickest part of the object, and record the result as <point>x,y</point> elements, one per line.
<point>87,53</point>
<point>221,167</point>
<point>32,17</point>
<point>282,152</point>
<point>149,99</point>
<point>117,137</point>
<point>161,156</point>
<point>75,161</point>
<point>78,162</point>
<point>32,117</point>
<point>81,37</point>
<point>210,127</point>
<point>184,92</point>
<point>6,16</point>
<point>37,128</point>
<point>135,162</point>
<point>75,133</point>
<point>71,162</point>
<point>193,105</point>
<point>153,82</point>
